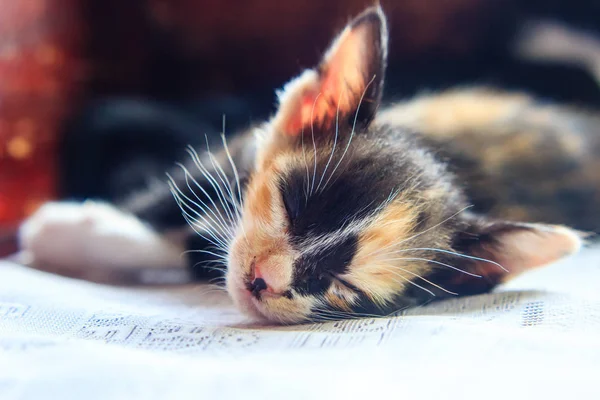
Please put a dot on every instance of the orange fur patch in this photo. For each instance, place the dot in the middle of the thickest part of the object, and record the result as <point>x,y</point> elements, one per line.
<point>373,270</point>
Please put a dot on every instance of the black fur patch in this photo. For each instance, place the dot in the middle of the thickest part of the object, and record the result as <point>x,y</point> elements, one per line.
<point>354,192</point>
<point>312,273</point>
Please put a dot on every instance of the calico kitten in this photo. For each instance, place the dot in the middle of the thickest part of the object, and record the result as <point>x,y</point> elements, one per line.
<point>334,209</point>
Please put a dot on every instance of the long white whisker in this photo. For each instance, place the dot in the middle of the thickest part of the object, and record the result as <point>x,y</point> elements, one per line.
<point>411,282</point>
<point>455,254</point>
<point>233,166</point>
<point>352,132</point>
<point>227,193</point>
<point>434,262</point>
<point>179,198</point>
<point>204,225</point>
<point>420,277</point>
<point>219,256</point>
<point>213,182</point>
<point>312,129</point>
<point>220,222</point>
<point>209,177</point>
<point>193,222</point>
<point>306,164</point>
<point>237,179</point>
<point>225,189</point>
<point>337,129</point>
<point>346,314</point>
<point>214,210</point>
<point>225,180</point>
<point>420,233</point>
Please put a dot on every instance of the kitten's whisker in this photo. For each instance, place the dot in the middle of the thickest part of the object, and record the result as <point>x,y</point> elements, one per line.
<point>312,128</point>
<point>220,222</point>
<point>420,233</point>
<point>237,179</point>
<point>319,317</point>
<point>412,283</point>
<point>328,315</point>
<point>215,241</point>
<point>179,195</point>
<point>216,208</point>
<point>346,314</point>
<point>206,265</point>
<point>455,254</point>
<point>337,128</point>
<point>306,164</point>
<point>223,188</point>
<point>190,219</point>
<point>233,166</point>
<point>217,289</point>
<point>419,276</point>
<point>218,265</point>
<point>392,196</point>
<point>235,206</point>
<point>434,262</point>
<point>351,133</point>
<point>217,281</point>
<point>213,182</point>
<point>404,308</point>
<point>225,180</point>
<point>406,279</point>
<point>208,291</point>
<point>220,256</point>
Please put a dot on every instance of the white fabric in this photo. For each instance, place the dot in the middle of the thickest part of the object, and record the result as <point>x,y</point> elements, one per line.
<point>537,337</point>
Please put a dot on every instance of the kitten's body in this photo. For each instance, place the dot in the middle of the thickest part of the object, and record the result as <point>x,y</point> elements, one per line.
<point>335,208</point>
<point>518,158</point>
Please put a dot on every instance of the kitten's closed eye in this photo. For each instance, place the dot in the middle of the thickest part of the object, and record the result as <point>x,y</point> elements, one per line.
<point>315,285</point>
<point>292,201</point>
<point>344,283</point>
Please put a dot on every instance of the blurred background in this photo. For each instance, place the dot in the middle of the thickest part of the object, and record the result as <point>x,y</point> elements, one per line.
<point>212,57</point>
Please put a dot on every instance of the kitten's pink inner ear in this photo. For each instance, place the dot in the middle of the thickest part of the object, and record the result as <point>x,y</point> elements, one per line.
<point>336,88</point>
<point>519,250</point>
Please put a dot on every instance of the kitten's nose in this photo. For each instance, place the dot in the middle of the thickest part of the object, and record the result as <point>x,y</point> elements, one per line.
<point>257,286</point>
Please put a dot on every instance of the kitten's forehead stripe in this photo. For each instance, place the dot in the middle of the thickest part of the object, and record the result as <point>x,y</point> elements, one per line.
<point>353,193</point>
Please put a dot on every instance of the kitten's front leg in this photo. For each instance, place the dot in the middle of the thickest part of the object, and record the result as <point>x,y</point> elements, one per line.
<point>64,236</point>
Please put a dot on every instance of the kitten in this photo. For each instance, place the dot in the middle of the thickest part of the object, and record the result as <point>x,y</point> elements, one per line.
<point>335,209</point>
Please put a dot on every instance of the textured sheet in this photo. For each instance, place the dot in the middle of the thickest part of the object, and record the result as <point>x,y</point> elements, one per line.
<point>536,337</point>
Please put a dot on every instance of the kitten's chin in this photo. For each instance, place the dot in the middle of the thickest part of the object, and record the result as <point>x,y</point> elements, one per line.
<point>243,300</point>
<point>271,310</point>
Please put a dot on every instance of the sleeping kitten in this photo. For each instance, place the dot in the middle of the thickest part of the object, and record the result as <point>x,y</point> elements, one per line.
<point>335,209</point>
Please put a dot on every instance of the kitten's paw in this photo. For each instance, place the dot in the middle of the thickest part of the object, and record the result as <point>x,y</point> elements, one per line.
<point>77,236</point>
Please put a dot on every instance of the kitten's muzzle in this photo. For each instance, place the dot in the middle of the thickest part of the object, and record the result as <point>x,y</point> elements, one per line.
<point>258,284</point>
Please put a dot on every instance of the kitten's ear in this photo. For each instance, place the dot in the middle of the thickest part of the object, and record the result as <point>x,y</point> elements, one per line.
<point>347,84</point>
<point>499,251</point>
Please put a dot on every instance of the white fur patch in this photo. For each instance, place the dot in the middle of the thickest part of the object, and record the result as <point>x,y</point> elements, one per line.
<point>77,236</point>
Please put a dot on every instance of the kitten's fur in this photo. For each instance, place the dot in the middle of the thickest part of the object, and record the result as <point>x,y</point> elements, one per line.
<point>335,209</point>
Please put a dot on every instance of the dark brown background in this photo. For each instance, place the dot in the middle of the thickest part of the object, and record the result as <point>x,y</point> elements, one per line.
<point>56,54</point>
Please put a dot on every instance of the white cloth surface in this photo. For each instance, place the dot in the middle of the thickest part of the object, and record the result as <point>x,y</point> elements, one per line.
<point>535,337</point>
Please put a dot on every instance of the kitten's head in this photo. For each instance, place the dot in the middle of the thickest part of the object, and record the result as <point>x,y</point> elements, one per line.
<point>344,217</point>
